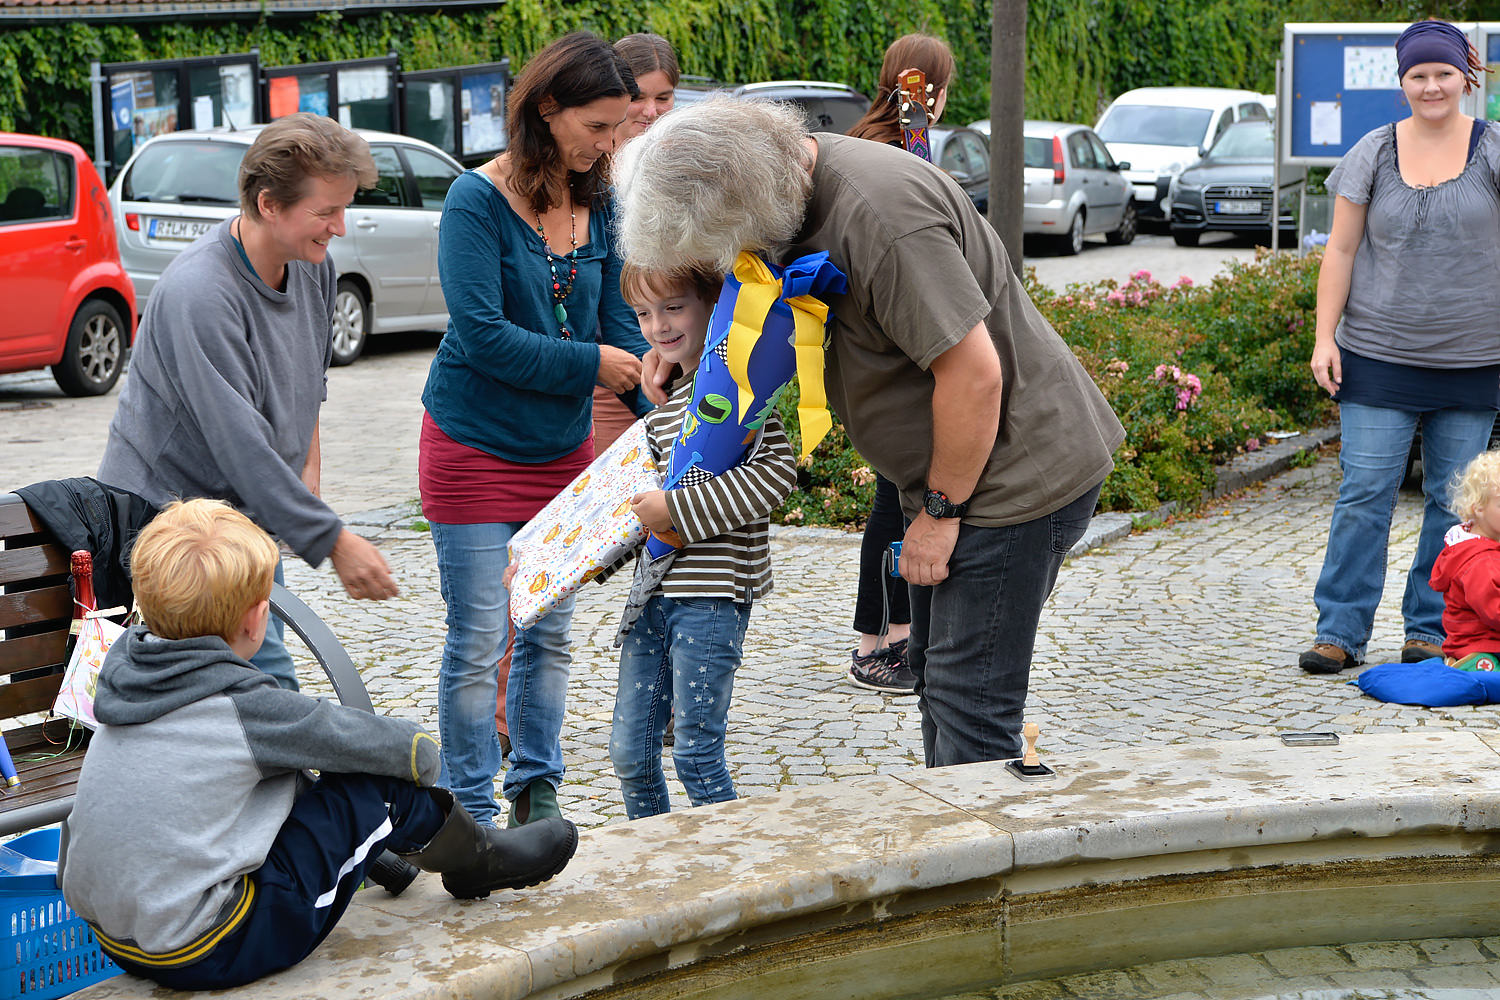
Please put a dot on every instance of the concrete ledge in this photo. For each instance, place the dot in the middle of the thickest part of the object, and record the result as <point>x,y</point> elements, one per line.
<point>662,897</point>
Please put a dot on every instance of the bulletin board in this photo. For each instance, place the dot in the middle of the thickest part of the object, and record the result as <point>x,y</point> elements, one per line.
<point>1339,82</point>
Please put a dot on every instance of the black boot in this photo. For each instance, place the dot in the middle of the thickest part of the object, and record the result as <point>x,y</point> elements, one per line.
<point>476,859</point>
<point>391,873</point>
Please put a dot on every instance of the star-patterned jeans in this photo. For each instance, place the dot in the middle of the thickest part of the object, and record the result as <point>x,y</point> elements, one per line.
<point>682,653</point>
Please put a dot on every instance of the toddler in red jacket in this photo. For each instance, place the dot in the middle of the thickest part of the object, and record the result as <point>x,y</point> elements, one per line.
<point>1467,571</point>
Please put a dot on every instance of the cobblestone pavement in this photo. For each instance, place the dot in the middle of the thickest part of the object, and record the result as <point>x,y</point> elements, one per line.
<point>1183,632</point>
<point>1453,968</point>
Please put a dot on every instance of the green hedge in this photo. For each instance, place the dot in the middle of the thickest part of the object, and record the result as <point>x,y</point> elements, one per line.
<point>1080,53</point>
<point>1196,374</point>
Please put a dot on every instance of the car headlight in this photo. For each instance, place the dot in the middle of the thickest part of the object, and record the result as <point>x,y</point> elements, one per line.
<point>1186,187</point>
<point>1170,169</point>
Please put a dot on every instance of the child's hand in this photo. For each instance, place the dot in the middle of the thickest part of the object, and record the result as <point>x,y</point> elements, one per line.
<point>651,508</point>
<point>510,574</point>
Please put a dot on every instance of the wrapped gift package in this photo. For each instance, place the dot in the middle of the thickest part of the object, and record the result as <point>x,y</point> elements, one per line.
<point>585,528</point>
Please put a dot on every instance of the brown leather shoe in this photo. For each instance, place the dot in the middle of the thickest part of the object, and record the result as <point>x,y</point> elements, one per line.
<point>1417,650</point>
<point>1325,658</point>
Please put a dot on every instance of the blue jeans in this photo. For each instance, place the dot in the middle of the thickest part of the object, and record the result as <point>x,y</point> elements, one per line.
<point>273,657</point>
<point>471,562</point>
<point>1376,442</point>
<point>684,652</point>
<point>309,876</point>
<point>972,635</point>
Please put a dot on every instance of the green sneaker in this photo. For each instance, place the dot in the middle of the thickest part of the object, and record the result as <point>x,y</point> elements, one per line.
<point>537,800</point>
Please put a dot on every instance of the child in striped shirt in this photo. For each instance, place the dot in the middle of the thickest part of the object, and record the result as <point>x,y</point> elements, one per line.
<point>682,651</point>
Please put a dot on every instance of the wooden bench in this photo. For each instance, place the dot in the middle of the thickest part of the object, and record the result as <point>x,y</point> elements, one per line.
<point>36,610</point>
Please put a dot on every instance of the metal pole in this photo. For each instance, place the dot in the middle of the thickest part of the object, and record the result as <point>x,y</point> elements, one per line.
<point>96,80</point>
<point>1276,167</point>
<point>1007,113</point>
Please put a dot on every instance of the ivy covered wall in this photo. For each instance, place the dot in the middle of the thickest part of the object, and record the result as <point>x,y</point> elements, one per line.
<point>1080,53</point>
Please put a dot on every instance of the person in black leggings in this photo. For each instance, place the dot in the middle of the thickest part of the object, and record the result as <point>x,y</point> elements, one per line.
<point>882,609</point>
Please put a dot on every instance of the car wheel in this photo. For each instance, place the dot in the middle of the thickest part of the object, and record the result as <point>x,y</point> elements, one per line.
<point>1126,232</point>
<point>1071,242</point>
<point>351,322</point>
<point>1186,237</point>
<point>95,351</point>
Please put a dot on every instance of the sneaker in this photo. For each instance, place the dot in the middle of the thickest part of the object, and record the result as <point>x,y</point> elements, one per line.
<point>1417,650</point>
<point>1325,658</point>
<point>884,671</point>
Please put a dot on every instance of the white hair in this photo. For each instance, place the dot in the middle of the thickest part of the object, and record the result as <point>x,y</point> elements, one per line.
<point>708,181</point>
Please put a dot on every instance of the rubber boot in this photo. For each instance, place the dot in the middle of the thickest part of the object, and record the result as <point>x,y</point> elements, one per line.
<point>537,800</point>
<point>391,873</point>
<point>476,859</point>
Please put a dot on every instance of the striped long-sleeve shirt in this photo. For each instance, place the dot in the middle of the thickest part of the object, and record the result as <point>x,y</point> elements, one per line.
<point>725,521</point>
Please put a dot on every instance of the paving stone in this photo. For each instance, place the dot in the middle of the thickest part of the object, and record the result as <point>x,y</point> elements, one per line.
<point>1293,962</point>
<point>1382,954</point>
<point>1459,951</point>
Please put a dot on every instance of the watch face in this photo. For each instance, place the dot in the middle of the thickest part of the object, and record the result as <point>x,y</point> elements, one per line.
<point>935,505</point>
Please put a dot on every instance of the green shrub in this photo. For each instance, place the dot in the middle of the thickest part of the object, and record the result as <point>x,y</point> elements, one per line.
<point>1196,374</point>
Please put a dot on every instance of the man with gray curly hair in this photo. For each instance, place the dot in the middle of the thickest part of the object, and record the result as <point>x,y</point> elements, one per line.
<point>946,377</point>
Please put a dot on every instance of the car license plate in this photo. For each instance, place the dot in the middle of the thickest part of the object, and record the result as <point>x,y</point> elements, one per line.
<point>177,229</point>
<point>1237,207</point>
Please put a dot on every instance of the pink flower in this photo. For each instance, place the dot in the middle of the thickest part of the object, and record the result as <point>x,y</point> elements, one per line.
<point>1116,297</point>
<point>1117,367</point>
<point>1252,444</point>
<point>1184,282</point>
<point>1141,275</point>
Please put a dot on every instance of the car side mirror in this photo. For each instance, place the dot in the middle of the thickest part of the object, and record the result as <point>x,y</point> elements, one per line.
<point>1115,168</point>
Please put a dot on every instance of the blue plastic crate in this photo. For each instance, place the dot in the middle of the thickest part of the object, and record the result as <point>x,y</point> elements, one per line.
<point>48,951</point>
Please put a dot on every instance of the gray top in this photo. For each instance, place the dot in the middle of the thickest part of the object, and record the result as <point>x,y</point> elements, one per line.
<point>225,384</point>
<point>195,767</point>
<point>1423,291</point>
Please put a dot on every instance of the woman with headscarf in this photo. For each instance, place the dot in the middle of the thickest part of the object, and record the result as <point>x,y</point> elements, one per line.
<point>1408,332</point>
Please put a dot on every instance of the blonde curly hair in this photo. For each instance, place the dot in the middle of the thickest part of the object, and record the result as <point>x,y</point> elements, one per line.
<point>1479,481</point>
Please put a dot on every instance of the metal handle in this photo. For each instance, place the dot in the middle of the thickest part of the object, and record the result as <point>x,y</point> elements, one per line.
<point>366,223</point>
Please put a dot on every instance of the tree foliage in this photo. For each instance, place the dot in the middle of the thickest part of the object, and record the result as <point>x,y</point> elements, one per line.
<point>1080,53</point>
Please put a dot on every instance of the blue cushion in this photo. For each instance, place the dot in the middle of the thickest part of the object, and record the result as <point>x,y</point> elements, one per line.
<point>1431,682</point>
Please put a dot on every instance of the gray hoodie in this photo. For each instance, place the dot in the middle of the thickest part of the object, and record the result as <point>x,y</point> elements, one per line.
<point>194,769</point>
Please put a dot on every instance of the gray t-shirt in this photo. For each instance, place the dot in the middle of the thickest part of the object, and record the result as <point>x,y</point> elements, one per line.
<point>225,384</point>
<point>924,269</point>
<point>1423,291</point>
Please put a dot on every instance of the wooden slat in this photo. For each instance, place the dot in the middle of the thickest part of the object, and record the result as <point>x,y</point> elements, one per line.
<point>49,778</point>
<point>47,649</point>
<point>43,605</point>
<point>25,697</point>
<point>32,563</point>
<point>15,517</point>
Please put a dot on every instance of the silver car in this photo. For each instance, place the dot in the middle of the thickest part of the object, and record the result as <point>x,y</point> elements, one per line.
<point>177,186</point>
<point>1074,188</point>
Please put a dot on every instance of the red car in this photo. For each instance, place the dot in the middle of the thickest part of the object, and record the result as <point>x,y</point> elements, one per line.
<point>67,301</point>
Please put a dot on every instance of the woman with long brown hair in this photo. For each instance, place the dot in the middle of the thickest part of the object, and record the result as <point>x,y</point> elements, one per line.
<point>882,611</point>
<point>527,261</point>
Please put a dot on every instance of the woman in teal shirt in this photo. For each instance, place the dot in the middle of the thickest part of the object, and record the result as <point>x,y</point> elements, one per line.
<point>531,279</point>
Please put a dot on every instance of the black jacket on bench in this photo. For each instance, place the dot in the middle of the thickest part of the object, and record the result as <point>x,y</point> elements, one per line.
<point>83,513</point>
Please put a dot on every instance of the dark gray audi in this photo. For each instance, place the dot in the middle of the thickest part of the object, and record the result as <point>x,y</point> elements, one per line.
<point>1229,190</point>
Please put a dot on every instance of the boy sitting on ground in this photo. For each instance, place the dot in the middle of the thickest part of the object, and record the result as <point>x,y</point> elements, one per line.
<point>198,849</point>
<point>1467,571</point>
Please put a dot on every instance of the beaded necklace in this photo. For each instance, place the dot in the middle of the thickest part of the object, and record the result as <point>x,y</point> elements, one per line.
<point>561,290</point>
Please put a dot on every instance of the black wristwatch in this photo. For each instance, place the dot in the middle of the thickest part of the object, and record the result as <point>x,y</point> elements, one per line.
<point>938,505</point>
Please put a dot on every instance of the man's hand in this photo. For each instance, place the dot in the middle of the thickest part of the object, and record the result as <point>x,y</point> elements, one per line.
<point>926,549</point>
<point>619,371</point>
<point>651,508</point>
<point>361,568</point>
<point>656,374</point>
